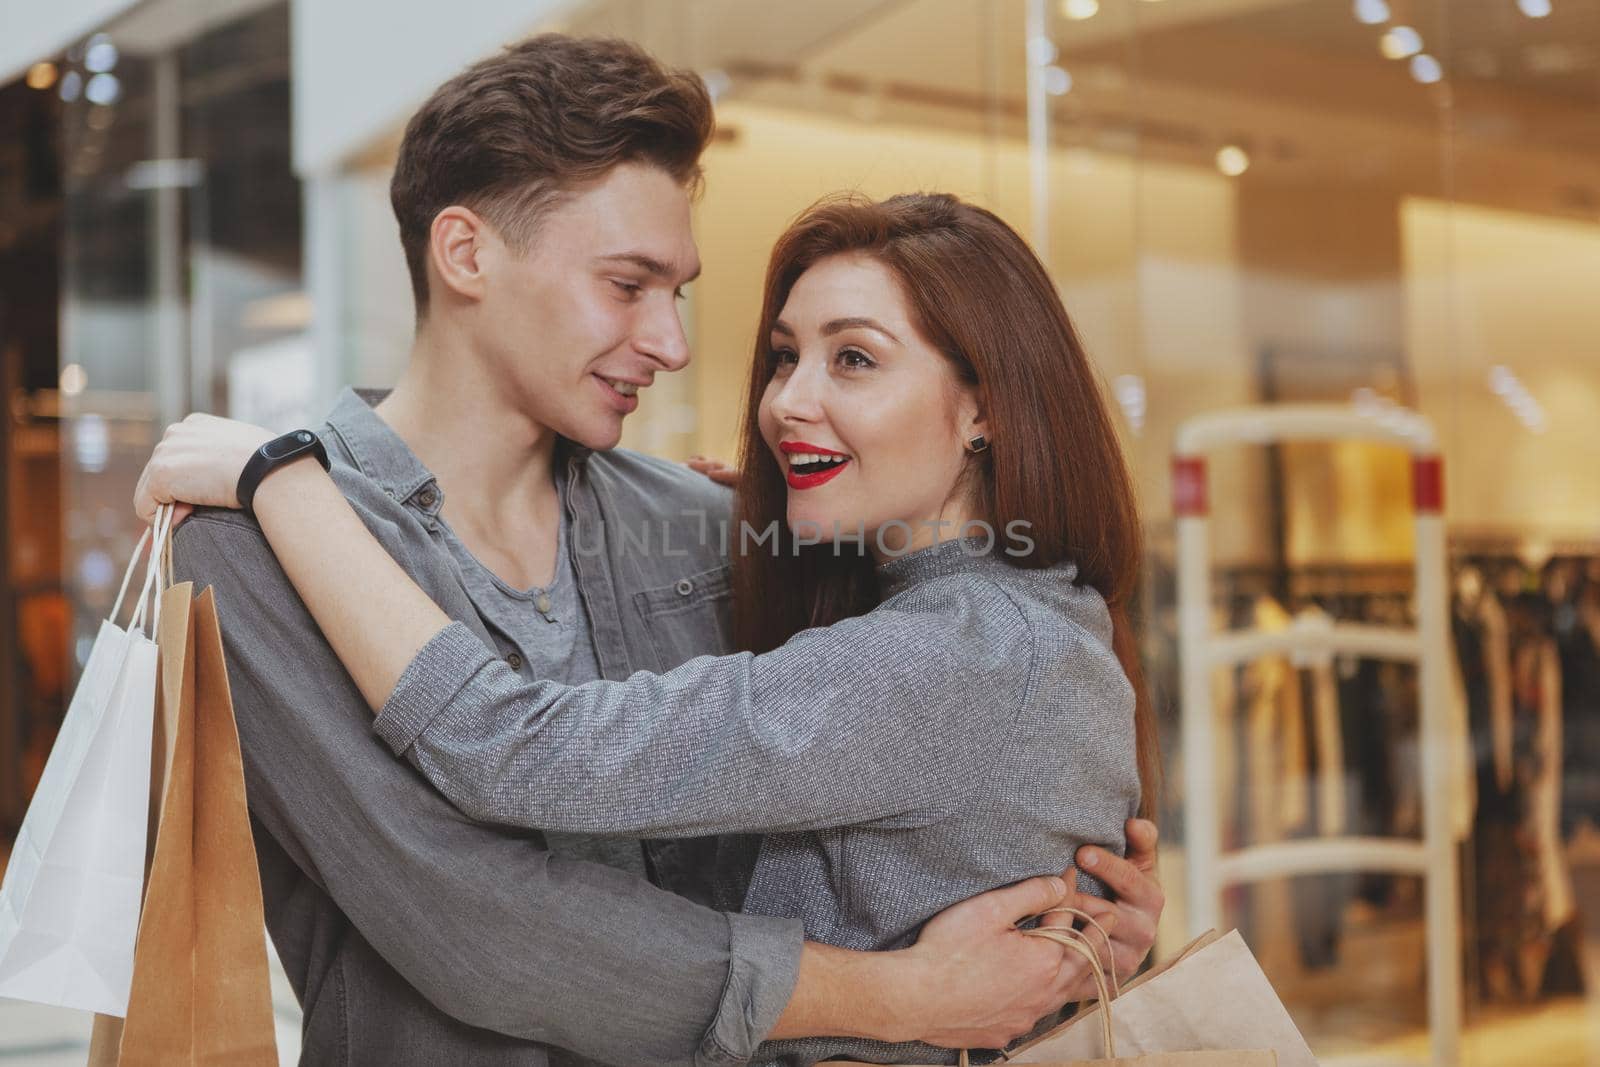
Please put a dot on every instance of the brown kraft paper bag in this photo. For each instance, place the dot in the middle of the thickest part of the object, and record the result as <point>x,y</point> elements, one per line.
<point>1101,1039</point>
<point>1212,995</point>
<point>201,988</point>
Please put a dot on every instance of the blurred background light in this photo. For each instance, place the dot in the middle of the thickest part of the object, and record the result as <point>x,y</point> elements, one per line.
<point>1426,69</point>
<point>103,89</point>
<point>41,75</point>
<point>1400,42</point>
<point>1371,12</point>
<point>1232,160</point>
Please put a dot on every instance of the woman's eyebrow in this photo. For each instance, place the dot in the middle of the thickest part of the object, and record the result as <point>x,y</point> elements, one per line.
<point>834,326</point>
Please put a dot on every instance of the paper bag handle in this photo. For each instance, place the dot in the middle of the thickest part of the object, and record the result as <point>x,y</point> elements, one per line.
<point>1111,953</point>
<point>127,575</point>
<point>1078,942</point>
<point>153,584</point>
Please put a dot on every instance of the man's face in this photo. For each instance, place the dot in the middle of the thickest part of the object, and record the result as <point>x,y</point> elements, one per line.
<point>575,326</point>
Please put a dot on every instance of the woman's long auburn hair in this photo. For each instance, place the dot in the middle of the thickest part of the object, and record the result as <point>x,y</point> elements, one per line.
<point>985,301</point>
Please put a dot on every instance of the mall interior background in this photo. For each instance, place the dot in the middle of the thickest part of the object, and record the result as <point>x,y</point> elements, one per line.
<point>1242,201</point>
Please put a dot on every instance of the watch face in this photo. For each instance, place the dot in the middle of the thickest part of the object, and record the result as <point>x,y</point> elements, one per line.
<point>288,444</point>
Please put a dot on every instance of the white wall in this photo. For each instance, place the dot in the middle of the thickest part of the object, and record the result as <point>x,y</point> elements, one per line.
<point>362,66</point>
<point>31,30</point>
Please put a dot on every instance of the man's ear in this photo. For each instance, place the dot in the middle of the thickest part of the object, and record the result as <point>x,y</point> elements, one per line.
<point>456,251</point>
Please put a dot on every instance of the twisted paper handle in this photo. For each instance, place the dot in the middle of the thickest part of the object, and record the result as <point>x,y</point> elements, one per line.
<point>1077,941</point>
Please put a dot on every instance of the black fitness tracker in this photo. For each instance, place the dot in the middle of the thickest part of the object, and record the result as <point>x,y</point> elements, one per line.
<point>274,454</point>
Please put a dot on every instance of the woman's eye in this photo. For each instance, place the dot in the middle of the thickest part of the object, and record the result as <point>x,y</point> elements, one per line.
<point>781,357</point>
<point>854,357</point>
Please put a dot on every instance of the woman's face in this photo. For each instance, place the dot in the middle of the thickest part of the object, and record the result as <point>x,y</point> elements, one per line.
<point>857,385</point>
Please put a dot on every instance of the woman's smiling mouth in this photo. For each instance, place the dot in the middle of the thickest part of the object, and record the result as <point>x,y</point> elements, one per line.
<point>811,465</point>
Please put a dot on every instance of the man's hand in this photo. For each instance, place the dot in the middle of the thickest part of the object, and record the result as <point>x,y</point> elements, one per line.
<point>1131,918</point>
<point>982,982</point>
<point>715,469</point>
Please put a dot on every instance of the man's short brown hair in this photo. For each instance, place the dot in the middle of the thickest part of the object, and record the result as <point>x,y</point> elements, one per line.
<point>508,135</point>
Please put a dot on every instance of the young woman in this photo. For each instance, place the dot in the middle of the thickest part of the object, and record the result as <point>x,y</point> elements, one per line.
<point>938,693</point>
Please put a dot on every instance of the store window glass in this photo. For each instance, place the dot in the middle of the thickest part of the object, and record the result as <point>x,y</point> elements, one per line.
<point>180,257</point>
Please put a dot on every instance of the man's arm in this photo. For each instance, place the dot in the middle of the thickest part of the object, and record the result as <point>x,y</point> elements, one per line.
<point>489,927</point>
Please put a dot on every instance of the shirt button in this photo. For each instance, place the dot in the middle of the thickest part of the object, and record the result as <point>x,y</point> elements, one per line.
<point>515,660</point>
<point>427,498</point>
<point>684,587</point>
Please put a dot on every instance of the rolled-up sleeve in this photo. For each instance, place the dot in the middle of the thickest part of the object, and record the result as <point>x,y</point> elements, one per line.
<point>490,927</point>
<point>876,717</point>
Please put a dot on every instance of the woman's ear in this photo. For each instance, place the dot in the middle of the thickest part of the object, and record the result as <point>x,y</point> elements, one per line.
<point>975,427</point>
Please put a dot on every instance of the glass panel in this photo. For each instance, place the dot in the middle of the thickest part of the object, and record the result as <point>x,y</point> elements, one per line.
<point>182,257</point>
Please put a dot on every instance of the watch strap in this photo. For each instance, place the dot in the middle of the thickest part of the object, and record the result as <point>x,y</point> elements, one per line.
<point>274,454</point>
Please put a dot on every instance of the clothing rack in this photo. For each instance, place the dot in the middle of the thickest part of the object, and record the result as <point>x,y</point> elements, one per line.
<point>1201,650</point>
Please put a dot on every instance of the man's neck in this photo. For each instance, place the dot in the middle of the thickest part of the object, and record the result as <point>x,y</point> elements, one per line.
<point>494,464</point>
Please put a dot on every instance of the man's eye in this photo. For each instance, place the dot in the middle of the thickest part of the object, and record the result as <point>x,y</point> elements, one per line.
<point>628,288</point>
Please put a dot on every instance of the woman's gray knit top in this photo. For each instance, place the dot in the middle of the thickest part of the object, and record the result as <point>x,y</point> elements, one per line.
<point>970,731</point>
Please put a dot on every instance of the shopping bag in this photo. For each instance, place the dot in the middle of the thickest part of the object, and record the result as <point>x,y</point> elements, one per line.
<point>69,904</point>
<point>1213,995</point>
<point>1104,1033</point>
<point>201,987</point>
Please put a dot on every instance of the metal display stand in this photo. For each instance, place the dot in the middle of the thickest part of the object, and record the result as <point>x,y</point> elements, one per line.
<point>1201,650</point>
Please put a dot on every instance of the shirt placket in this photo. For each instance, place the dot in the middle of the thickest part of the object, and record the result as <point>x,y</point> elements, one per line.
<point>591,561</point>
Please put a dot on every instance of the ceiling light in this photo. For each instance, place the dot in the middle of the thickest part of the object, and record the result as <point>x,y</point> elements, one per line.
<point>41,75</point>
<point>1426,69</point>
<point>1042,51</point>
<point>101,55</point>
<point>1078,10</point>
<point>71,86</point>
<point>1372,12</point>
<point>73,379</point>
<point>103,89</point>
<point>1534,9</point>
<point>1057,81</point>
<point>1400,42</point>
<point>1232,160</point>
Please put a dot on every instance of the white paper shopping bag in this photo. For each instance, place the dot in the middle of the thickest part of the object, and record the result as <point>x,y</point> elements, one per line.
<point>69,905</point>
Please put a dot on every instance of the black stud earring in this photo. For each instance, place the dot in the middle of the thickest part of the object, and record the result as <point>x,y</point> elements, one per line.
<point>979,443</point>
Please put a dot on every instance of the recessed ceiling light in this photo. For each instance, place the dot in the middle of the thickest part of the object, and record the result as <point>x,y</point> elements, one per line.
<point>1232,160</point>
<point>1372,12</point>
<point>1426,69</point>
<point>1400,42</point>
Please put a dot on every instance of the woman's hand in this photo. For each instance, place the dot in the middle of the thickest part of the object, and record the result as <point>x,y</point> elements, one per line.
<point>1132,917</point>
<point>197,464</point>
<point>716,470</point>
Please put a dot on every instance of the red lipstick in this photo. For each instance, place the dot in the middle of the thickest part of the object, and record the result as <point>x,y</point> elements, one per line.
<point>811,481</point>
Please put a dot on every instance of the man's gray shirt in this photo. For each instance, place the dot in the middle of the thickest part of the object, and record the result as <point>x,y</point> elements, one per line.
<point>547,630</point>
<point>413,934</point>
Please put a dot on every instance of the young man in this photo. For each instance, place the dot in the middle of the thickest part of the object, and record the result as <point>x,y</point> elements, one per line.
<point>543,198</point>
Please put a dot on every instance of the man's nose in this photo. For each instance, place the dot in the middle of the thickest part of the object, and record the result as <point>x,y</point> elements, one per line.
<point>661,336</point>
